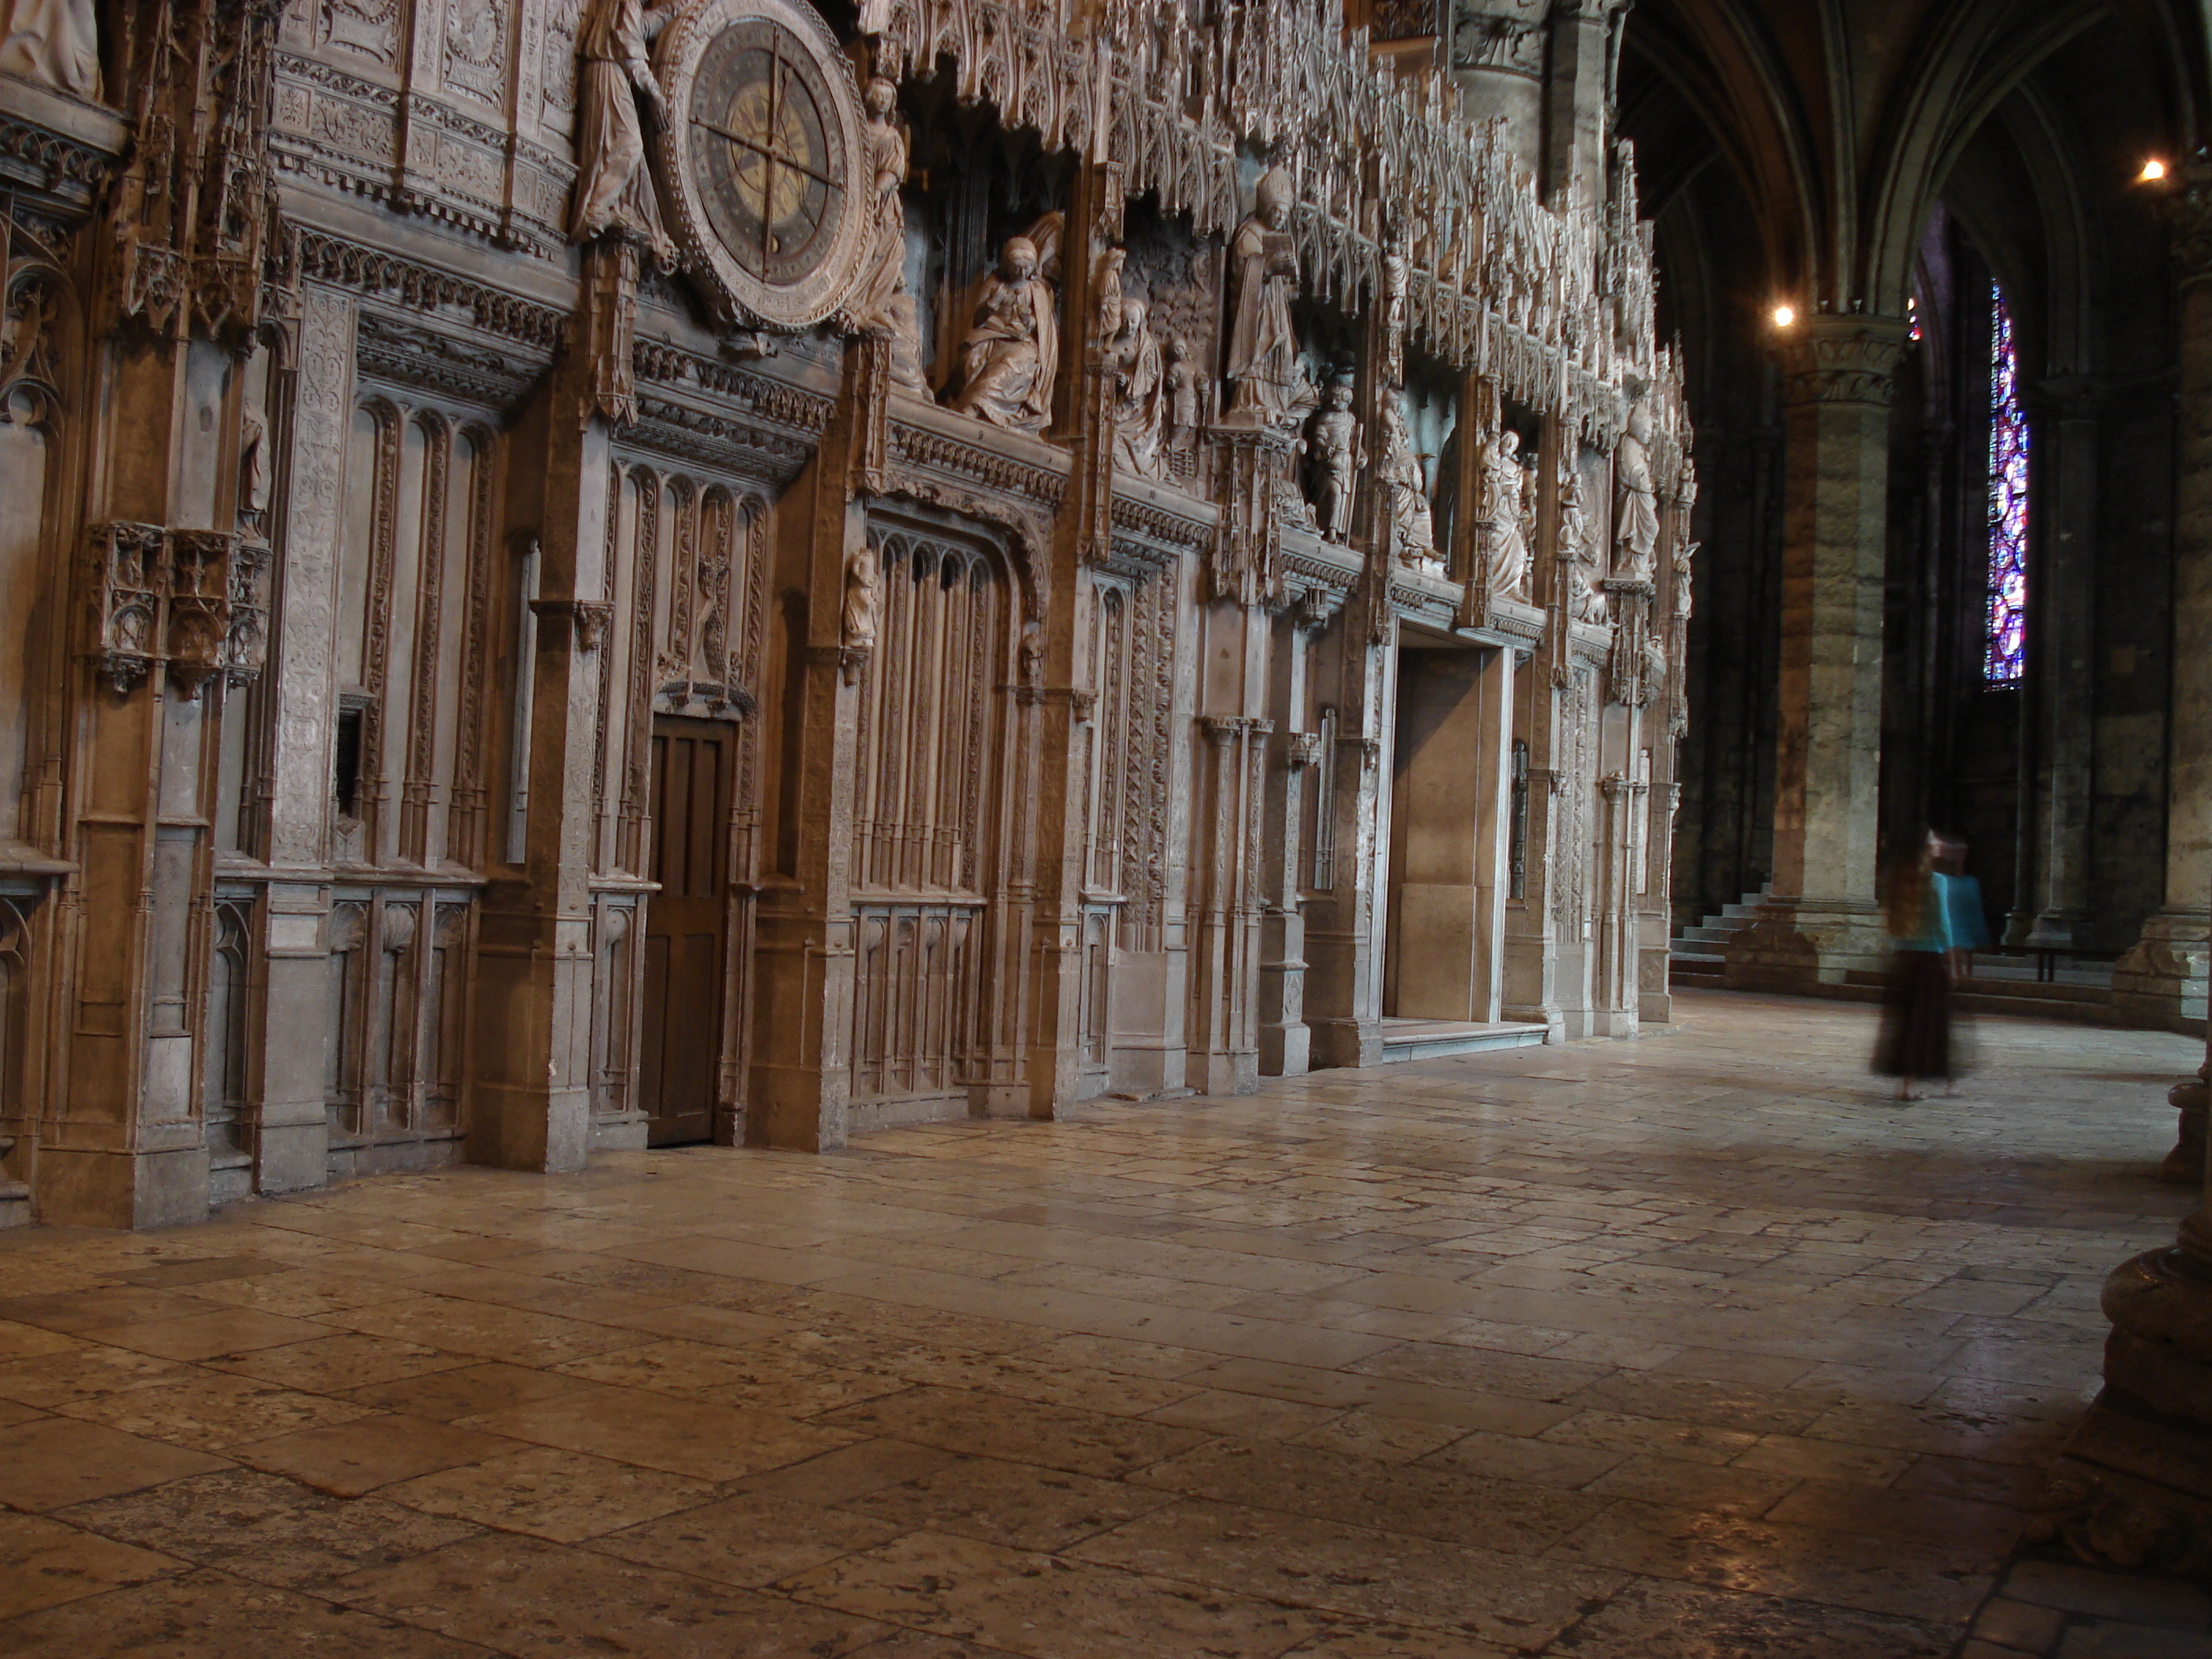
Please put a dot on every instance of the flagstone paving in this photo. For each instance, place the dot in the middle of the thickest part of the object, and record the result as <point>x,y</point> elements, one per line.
<point>1694,1346</point>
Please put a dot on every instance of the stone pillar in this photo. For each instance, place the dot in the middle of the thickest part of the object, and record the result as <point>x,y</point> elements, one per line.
<point>1497,56</point>
<point>1346,918</point>
<point>1285,1044</point>
<point>1823,920</point>
<point>2162,980</point>
<point>293,1139</point>
<point>532,1107</point>
<point>2134,1487</point>
<point>2064,643</point>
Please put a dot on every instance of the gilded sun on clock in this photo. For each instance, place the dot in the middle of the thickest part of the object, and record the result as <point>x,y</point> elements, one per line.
<point>759,155</point>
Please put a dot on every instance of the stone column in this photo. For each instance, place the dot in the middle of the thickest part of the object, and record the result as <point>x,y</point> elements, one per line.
<point>1824,920</point>
<point>2162,980</point>
<point>2065,624</point>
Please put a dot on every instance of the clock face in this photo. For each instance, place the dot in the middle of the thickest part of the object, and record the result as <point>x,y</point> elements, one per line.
<point>762,152</point>
<point>759,157</point>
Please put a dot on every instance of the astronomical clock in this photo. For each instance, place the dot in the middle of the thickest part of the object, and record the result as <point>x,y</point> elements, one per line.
<point>760,159</point>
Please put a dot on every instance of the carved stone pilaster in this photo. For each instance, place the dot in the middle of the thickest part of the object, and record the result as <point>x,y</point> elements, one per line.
<point>605,329</point>
<point>1245,562</point>
<point>194,208</point>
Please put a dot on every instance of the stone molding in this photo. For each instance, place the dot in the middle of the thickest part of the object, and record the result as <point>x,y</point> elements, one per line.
<point>375,274</point>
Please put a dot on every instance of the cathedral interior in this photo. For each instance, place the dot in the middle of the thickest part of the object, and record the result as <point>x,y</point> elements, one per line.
<point>950,829</point>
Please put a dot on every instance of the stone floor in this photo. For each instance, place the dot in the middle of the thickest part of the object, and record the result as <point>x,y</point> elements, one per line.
<point>1691,1347</point>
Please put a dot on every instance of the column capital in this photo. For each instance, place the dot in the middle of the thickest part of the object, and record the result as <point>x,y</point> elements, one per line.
<point>2072,396</point>
<point>1842,359</point>
<point>2188,208</point>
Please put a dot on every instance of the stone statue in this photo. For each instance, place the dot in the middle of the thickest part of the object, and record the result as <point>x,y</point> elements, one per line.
<point>1684,599</point>
<point>1405,490</point>
<point>862,583</point>
<point>882,307</point>
<point>1509,519</point>
<point>1334,458</point>
<point>1133,357</point>
<point>1012,350</point>
<point>1585,596</point>
<point>55,43</point>
<point>252,467</point>
<point>614,189</point>
<point>1263,345</point>
<point>1186,400</point>
<point>1636,503</point>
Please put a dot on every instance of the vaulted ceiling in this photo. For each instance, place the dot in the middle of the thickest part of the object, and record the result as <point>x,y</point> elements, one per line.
<point>1841,121</point>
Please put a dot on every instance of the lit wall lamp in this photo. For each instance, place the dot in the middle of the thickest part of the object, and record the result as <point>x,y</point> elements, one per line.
<point>1785,316</point>
<point>2153,171</point>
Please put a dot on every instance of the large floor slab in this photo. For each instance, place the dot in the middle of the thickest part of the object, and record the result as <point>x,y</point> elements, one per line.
<point>1698,1345</point>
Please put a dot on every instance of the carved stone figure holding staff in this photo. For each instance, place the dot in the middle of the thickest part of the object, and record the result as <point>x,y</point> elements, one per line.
<point>614,189</point>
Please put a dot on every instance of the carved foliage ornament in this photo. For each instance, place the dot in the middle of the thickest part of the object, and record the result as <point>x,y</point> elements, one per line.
<point>758,158</point>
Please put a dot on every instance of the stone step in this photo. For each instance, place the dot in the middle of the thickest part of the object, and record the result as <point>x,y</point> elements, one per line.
<point>1708,934</point>
<point>1438,1039</point>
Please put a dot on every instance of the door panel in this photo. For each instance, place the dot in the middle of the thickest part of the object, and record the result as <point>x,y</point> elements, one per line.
<point>686,928</point>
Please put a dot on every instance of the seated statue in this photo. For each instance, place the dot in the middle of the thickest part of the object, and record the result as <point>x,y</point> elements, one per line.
<point>1139,392</point>
<point>54,43</point>
<point>1012,350</point>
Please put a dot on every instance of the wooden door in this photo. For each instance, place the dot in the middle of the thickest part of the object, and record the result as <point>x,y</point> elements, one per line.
<point>686,928</point>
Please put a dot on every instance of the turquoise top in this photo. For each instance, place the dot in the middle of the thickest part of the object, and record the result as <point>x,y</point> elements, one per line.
<point>1952,918</point>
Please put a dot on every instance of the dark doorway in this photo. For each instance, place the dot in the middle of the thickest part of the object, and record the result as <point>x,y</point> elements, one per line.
<point>686,928</point>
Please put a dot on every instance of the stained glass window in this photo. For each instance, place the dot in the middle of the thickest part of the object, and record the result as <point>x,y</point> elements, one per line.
<point>2005,656</point>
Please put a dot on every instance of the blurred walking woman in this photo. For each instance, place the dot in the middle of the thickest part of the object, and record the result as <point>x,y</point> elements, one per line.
<point>1934,917</point>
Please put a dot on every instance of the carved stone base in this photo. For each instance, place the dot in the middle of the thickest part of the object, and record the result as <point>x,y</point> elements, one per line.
<point>1805,945</point>
<point>2131,1491</point>
<point>2161,982</point>
<point>2134,1485</point>
<point>2184,1165</point>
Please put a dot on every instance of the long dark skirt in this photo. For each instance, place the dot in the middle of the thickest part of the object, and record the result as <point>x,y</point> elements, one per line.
<point>1916,1019</point>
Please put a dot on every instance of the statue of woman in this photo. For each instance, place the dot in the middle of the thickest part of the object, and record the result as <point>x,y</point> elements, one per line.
<point>54,43</point>
<point>1263,345</point>
<point>1636,511</point>
<point>882,307</point>
<point>1412,525</point>
<point>1508,516</point>
<point>862,584</point>
<point>614,189</point>
<point>1012,351</point>
<point>1585,596</point>
<point>252,467</point>
<point>1139,392</point>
